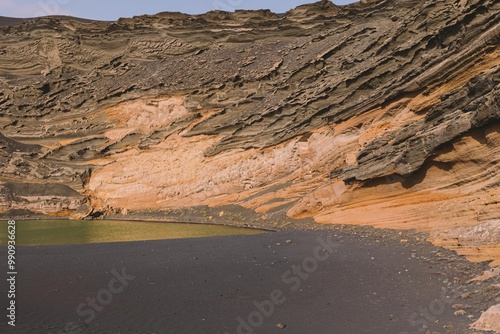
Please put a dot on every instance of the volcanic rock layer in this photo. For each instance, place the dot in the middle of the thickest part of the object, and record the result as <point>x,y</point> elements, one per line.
<point>380,112</point>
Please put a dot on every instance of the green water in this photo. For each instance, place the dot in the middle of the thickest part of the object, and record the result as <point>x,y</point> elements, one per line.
<point>65,232</point>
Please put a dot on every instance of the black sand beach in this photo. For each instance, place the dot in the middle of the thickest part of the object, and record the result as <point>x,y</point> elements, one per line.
<point>241,284</point>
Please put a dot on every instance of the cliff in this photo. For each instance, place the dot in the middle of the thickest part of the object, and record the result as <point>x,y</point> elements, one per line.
<point>382,113</point>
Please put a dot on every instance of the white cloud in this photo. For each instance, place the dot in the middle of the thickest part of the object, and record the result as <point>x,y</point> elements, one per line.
<point>33,8</point>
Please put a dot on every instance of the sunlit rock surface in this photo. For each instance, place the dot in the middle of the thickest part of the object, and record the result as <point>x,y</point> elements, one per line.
<point>380,112</point>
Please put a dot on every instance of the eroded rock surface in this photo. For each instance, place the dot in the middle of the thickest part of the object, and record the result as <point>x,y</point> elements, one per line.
<point>380,112</point>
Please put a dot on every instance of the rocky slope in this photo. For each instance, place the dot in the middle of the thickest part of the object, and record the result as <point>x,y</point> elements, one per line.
<point>380,112</point>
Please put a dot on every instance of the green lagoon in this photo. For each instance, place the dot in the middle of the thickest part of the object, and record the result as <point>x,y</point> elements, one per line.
<point>66,232</point>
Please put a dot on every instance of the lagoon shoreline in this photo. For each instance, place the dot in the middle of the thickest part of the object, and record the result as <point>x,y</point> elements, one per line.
<point>206,285</point>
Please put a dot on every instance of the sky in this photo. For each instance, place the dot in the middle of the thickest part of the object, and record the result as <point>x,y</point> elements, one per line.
<point>114,9</point>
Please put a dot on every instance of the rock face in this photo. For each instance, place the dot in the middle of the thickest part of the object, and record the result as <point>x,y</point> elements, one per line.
<point>380,112</point>
<point>489,320</point>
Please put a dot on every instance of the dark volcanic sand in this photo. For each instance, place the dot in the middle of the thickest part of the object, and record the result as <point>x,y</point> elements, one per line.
<point>204,285</point>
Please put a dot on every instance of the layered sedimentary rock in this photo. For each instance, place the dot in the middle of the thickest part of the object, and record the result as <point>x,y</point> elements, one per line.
<point>380,112</point>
